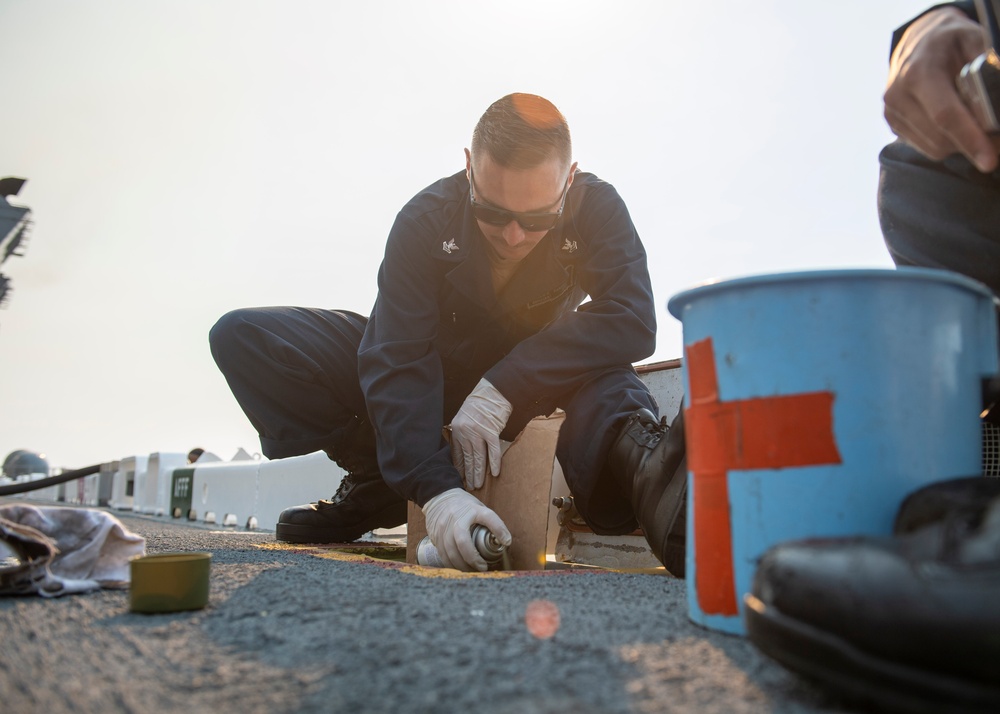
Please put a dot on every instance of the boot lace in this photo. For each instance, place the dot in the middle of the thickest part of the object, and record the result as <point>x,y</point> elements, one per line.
<point>646,432</point>
<point>343,491</point>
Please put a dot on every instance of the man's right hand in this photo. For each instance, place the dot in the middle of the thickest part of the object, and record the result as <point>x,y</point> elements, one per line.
<point>450,517</point>
<point>922,104</point>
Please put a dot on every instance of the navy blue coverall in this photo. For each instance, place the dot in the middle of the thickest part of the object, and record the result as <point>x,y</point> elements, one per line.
<point>307,377</point>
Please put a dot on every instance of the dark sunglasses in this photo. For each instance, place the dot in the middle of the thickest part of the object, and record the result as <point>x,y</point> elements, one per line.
<point>531,222</point>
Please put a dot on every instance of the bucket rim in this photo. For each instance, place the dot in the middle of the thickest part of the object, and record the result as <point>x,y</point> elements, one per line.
<point>676,303</point>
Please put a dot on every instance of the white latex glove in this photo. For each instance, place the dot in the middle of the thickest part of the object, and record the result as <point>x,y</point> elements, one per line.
<point>475,433</point>
<point>450,517</point>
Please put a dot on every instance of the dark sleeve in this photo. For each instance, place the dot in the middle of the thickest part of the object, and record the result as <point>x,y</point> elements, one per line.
<point>617,326</point>
<point>400,371</point>
<point>966,6</point>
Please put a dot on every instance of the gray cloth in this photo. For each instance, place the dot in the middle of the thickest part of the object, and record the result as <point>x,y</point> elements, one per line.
<point>940,214</point>
<point>59,551</point>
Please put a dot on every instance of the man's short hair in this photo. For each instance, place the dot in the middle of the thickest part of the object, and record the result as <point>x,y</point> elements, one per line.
<point>522,131</point>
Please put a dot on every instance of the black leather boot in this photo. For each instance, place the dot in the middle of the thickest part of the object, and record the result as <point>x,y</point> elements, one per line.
<point>962,498</point>
<point>362,503</point>
<point>648,459</point>
<point>907,623</point>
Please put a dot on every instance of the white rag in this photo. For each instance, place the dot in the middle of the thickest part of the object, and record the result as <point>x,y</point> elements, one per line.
<point>59,551</point>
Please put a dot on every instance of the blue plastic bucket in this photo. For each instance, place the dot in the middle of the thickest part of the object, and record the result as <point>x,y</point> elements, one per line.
<point>814,403</point>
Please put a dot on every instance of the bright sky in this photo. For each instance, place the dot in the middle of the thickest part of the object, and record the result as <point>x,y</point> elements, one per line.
<point>189,157</point>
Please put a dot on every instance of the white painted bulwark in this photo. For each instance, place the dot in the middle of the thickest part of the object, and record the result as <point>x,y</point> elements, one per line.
<point>292,482</point>
<point>105,484</point>
<point>254,491</point>
<point>82,491</point>
<point>224,487</point>
<point>139,488</point>
<point>666,385</point>
<point>152,487</point>
<point>87,489</point>
<point>123,487</point>
<point>49,493</point>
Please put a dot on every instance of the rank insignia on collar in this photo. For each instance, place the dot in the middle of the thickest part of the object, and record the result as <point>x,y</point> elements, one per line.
<point>569,246</point>
<point>449,246</point>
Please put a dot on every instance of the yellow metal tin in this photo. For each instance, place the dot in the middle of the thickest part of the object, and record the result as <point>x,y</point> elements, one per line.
<point>170,582</point>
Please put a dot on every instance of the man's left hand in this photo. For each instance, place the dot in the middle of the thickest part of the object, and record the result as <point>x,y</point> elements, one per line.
<point>475,433</point>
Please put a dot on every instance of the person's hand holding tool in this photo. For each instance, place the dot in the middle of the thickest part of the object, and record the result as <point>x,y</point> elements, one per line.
<point>922,103</point>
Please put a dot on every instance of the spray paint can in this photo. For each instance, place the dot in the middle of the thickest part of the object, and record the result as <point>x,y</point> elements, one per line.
<point>490,549</point>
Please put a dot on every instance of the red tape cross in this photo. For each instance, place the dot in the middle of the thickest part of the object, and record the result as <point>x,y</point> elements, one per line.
<point>760,433</point>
